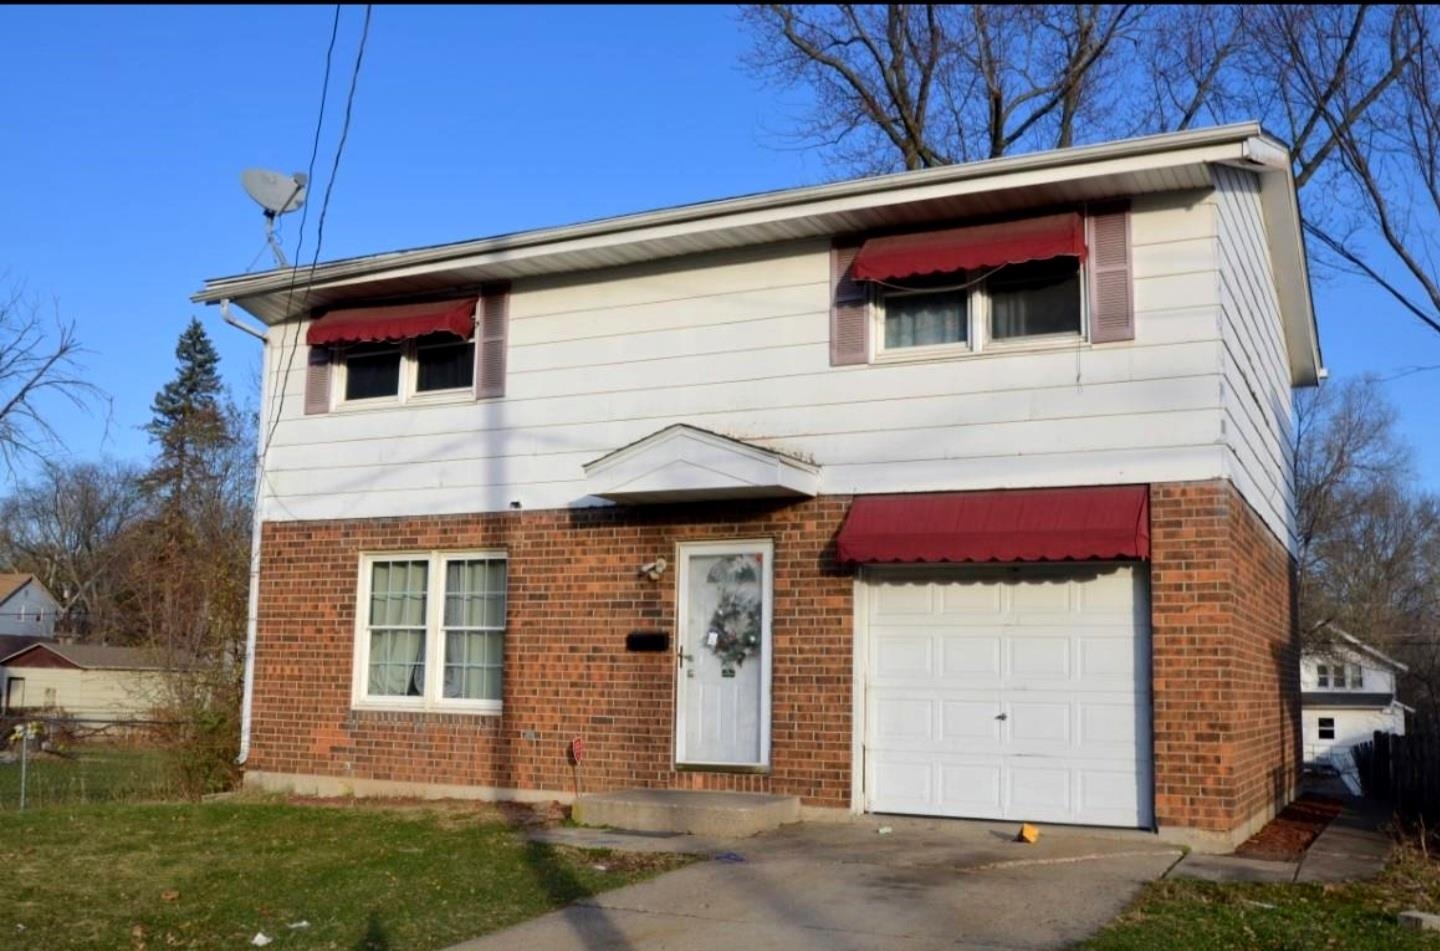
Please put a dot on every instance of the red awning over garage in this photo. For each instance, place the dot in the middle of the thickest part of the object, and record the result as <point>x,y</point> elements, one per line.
<point>978,246</point>
<point>393,322</point>
<point>1075,524</point>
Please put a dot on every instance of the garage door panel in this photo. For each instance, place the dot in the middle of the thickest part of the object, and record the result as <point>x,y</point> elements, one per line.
<point>1050,595</point>
<point>970,657</point>
<point>1061,651</point>
<point>1111,727</point>
<point>1039,792</point>
<point>1037,725</point>
<point>907,599</point>
<point>1111,658</point>
<point>969,721</point>
<point>900,783</point>
<point>1039,656</point>
<point>977,599</point>
<point>904,721</point>
<point>1111,797</point>
<point>970,787</point>
<point>904,655</point>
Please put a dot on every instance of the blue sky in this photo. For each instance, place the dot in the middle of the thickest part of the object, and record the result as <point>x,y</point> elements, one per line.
<point>125,130</point>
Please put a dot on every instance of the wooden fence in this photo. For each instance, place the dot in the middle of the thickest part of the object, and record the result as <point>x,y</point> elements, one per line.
<point>1404,770</point>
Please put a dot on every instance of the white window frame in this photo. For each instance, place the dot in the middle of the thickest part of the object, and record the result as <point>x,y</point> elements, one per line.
<point>978,340</point>
<point>407,390</point>
<point>1330,675</point>
<point>432,699</point>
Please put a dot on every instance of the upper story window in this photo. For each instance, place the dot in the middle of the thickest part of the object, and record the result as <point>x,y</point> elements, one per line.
<point>400,353</point>
<point>1057,279</point>
<point>432,364</point>
<point>1340,676</point>
<point>1036,300</point>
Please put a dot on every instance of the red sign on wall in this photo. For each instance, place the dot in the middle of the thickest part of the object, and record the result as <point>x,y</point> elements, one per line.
<point>577,748</point>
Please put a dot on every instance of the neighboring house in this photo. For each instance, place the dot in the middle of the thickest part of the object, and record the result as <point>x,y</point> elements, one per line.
<point>956,492</point>
<point>1347,696</point>
<point>27,608</point>
<point>92,683</point>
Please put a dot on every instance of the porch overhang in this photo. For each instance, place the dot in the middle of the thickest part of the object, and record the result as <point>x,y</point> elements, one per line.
<point>683,463</point>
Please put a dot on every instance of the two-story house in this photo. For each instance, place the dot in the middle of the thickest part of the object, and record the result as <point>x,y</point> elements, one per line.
<point>1347,695</point>
<point>956,492</point>
<point>27,608</point>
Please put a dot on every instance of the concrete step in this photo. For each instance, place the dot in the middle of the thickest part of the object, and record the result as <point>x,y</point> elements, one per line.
<point>718,814</point>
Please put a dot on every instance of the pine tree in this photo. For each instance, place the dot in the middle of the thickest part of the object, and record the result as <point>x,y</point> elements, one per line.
<point>187,420</point>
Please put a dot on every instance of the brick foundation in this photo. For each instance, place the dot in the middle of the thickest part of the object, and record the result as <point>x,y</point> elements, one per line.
<point>1225,662</point>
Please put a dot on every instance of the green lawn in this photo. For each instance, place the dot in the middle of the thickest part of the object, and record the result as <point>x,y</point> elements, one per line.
<point>149,877</point>
<point>1200,916</point>
<point>95,774</point>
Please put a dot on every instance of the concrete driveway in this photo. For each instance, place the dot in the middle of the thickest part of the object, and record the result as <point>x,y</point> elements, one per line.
<point>846,887</point>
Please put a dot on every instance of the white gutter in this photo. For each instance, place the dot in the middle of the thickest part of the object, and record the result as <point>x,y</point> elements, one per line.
<point>252,600</point>
<point>251,285</point>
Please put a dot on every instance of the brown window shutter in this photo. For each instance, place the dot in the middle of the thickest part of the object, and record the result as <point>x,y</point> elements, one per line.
<point>492,328</point>
<point>849,309</point>
<point>1112,301</point>
<point>317,381</point>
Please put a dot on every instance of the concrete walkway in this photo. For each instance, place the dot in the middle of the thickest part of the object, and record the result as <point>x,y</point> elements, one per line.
<point>1350,848</point>
<point>846,887</point>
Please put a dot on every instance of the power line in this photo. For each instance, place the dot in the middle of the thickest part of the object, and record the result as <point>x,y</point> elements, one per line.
<point>340,147</point>
<point>300,238</point>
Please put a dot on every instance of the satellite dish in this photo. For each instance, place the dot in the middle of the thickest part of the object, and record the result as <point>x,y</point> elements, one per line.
<point>278,194</point>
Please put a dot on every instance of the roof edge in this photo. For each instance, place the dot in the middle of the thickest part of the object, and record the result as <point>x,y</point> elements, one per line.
<point>248,285</point>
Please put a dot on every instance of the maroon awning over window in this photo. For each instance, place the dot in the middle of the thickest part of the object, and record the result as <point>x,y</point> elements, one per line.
<point>963,249</point>
<point>393,322</point>
<point>1096,522</point>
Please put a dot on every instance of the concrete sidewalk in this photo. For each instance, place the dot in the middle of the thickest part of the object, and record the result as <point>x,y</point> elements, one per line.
<point>845,887</point>
<point>1351,848</point>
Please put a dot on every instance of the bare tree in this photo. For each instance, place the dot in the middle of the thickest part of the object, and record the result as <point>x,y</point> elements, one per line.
<point>1354,89</point>
<point>72,525</point>
<point>38,360</point>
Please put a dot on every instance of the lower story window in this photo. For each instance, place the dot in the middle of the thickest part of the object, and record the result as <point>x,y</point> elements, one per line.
<point>432,631</point>
<point>1327,728</point>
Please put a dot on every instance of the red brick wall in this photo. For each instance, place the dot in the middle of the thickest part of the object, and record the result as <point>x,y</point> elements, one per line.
<point>574,594</point>
<point>1225,665</point>
<point>1225,659</point>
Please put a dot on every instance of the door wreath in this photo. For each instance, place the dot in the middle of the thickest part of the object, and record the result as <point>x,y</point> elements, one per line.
<point>734,630</point>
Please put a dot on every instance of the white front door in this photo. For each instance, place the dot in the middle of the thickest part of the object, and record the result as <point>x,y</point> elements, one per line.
<point>1010,693</point>
<point>722,711</point>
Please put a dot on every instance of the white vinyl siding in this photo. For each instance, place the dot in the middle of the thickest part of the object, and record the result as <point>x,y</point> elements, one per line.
<point>737,342</point>
<point>1257,394</point>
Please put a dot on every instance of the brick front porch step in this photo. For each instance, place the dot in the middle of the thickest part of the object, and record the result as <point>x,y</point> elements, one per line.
<point>719,814</point>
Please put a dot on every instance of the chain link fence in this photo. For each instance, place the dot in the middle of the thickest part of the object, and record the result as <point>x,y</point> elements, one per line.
<point>58,760</point>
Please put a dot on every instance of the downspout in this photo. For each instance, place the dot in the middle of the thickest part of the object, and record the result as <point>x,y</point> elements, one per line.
<point>252,609</point>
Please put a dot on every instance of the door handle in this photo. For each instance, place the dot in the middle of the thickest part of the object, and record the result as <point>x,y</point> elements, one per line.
<point>684,657</point>
<point>1002,716</point>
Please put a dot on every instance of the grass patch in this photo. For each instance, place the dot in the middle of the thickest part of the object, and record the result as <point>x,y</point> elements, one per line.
<point>1203,916</point>
<point>95,774</point>
<point>147,877</point>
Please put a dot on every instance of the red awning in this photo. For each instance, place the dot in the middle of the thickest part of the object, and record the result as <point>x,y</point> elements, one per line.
<point>1099,522</point>
<point>963,249</point>
<point>393,322</point>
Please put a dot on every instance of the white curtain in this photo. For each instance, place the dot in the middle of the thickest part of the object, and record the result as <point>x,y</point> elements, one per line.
<point>920,320</point>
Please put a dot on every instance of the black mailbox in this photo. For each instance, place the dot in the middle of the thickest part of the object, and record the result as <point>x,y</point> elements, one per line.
<point>647,642</point>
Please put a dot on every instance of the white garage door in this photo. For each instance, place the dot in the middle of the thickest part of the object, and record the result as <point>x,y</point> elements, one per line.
<point>1009,693</point>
